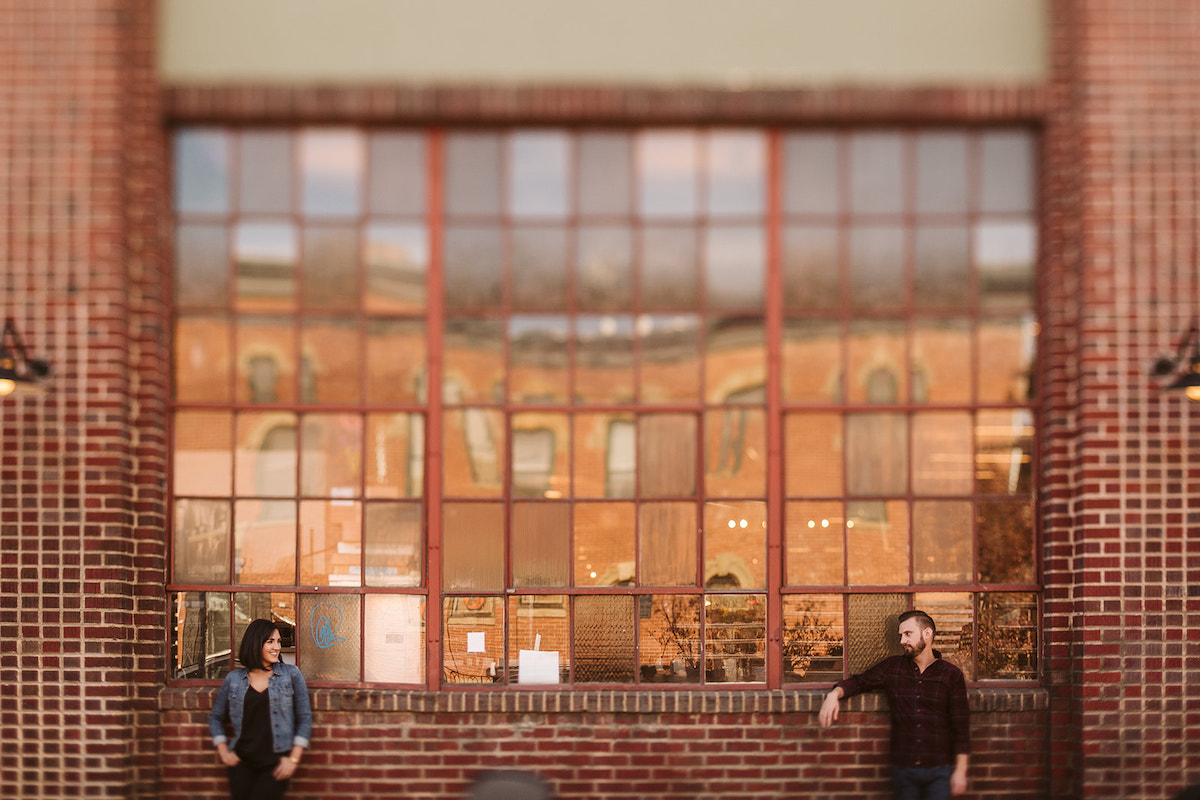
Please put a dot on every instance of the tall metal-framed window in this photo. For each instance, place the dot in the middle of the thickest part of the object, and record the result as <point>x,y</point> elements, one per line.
<point>712,405</point>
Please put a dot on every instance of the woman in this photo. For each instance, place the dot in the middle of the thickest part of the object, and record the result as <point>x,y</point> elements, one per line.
<point>266,704</point>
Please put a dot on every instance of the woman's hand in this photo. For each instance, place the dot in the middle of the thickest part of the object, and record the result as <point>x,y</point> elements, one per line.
<point>227,756</point>
<point>285,769</point>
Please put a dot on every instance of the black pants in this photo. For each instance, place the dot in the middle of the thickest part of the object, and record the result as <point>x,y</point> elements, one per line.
<point>252,782</point>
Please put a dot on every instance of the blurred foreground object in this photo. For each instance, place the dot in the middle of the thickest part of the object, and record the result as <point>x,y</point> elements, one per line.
<point>509,785</point>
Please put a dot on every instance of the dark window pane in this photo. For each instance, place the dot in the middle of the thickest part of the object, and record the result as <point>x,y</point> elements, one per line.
<point>203,356</point>
<point>667,446</point>
<point>330,543</point>
<point>473,546</point>
<point>811,183</point>
<point>397,173</point>
<point>394,551</point>
<point>472,182</point>
<point>332,172</point>
<point>539,268</point>
<point>330,271</point>
<point>474,451</point>
<point>942,551</point>
<point>604,639</point>
<point>877,542</point>
<point>873,629</point>
<point>667,544</point>
<point>1006,552</point>
<point>328,637</point>
<point>473,258</point>
<point>605,551</point>
<point>604,174</point>
<point>202,541</point>
<point>473,361</point>
<point>815,532</point>
<point>812,638</point>
<point>811,371</point>
<point>1008,635</point>
<point>735,543</point>
<point>201,265</point>
<point>669,638</point>
<point>669,273</point>
<point>811,269</point>
<point>670,358</point>
<point>266,173</point>
<point>604,265</point>
<point>541,544</point>
<point>201,171</point>
<point>538,164</point>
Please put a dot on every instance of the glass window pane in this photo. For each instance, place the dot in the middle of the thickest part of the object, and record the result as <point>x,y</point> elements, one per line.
<point>735,634</point>
<point>942,542</point>
<point>200,635</point>
<point>667,455</point>
<point>201,542</point>
<point>474,448</point>
<point>395,458</point>
<point>201,171</point>
<point>941,360</point>
<point>397,260</point>
<point>669,638</point>
<point>812,361</point>
<point>395,548</point>
<point>203,453</point>
<point>265,464</point>
<point>954,615</point>
<point>942,172</point>
<point>604,173</point>
<point>1008,167</point>
<point>329,639</point>
<point>813,455</point>
<point>473,361</point>
<point>330,543</point>
<point>669,273</point>
<point>541,455</point>
<point>735,261</point>
<point>1003,451</point>
<point>877,542</point>
<point>277,607</point>
<point>397,174</point>
<point>667,544</point>
<point>394,639</point>
<point>604,265</point>
<point>668,167</point>
<point>942,269</point>
<point>670,358</point>
<point>812,638</point>
<point>539,268</point>
<point>330,268</point>
<point>1005,255</point>
<point>538,643</point>
<point>203,357</point>
<point>266,173</point>
<point>604,359</point>
<point>811,267</point>
<point>473,639</point>
<point>265,253</point>
<point>811,182</point>
<point>332,166</point>
<point>736,165</point>
<point>736,463</point>
<point>538,359</point>
<point>1006,553</point>
<point>605,552</point>
<point>472,182</point>
<point>266,360</point>
<point>877,256</point>
<point>604,639</point>
<point>1006,350</point>
<point>873,629</point>
<point>472,269</point>
<point>329,366</point>
<point>876,173</point>
<point>942,450</point>
<point>816,532</point>
<point>605,457</point>
<point>264,540</point>
<point>736,360</point>
<point>539,162</point>
<point>1008,636</point>
<point>201,265</point>
<point>473,546</point>
<point>395,361</point>
<point>331,456</point>
<point>541,544</point>
<point>735,543</point>
<point>876,454</point>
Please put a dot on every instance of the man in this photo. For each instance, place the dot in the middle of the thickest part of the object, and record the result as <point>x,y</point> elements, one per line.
<point>928,700</point>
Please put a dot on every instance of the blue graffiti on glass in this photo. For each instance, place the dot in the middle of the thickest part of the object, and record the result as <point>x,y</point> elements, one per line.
<point>325,620</point>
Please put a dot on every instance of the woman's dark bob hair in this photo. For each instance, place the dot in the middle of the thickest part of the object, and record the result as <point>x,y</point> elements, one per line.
<point>250,653</point>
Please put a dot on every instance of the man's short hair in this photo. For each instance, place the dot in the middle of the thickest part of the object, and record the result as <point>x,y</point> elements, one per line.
<point>923,619</point>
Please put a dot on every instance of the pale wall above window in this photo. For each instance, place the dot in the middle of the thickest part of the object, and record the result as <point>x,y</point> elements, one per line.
<point>718,43</point>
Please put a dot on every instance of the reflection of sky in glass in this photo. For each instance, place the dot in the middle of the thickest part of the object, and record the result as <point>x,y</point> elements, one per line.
<point>1006,246</point>
<point>735,263</point>
<point>538,166</point>
<point>877,173</point>
<point>667,171</point>
<point>332,172</point>
<point>604,326</point>
<point>736,173</point>
<point>650,324</point>
<point>266,242</point>
<point>201,172</point>
<point>533,325</point>
<point>1008,171</point>
<point>401,247</point>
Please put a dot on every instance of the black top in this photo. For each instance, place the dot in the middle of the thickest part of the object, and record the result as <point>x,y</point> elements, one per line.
<point>255,746</point>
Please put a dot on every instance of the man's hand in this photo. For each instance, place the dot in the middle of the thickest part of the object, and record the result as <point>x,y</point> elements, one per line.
<point>958,780</point>
<point>830,708</point>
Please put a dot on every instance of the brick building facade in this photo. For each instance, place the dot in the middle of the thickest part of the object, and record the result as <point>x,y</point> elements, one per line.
<point>86,244</point>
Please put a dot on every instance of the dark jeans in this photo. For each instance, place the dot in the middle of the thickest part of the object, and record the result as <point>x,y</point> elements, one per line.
<point>922,783</point>
<point>249,782</point>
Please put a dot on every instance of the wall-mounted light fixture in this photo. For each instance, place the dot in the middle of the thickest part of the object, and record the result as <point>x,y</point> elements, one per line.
<point>1183,367</point>
<point>19,374</point>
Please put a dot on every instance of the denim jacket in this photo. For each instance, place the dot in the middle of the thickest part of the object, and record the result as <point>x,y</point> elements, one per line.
<point>291,714</point>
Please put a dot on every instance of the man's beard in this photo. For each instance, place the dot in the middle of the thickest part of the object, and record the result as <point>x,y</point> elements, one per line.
<point>914,650</point>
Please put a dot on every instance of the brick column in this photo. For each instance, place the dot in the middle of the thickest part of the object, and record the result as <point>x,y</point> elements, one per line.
<point>83,468</point>
<point>1121,546</point>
